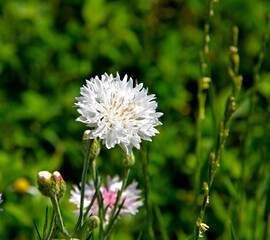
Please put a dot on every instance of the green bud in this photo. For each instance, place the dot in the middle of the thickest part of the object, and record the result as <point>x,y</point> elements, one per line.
<point>51,185</point>
<point>93,222</point>
<point>85,141</point>
<point>231,73</point>
<point>211,161</point>
<point>205,188</point>
<point>46,184</point>
<point>60,182</point>
<point>129,160</point>
<point>95,149</point>
<point>239,81</point>
<point>205,82</point>
<point>231,106</point>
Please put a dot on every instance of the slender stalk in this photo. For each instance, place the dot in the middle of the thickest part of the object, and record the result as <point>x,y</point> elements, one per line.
<point>223,133</point>
<point>84,174</point>
<point>91,203</point>
<point>93,171</point>
<point>48,237</point>
<point>59,218</point>
<point>146,182</point>
<point>101,216</point>
<point>203,85</point>
<point>98,196</point>
<point>116,205</point>
<point>83,181</point>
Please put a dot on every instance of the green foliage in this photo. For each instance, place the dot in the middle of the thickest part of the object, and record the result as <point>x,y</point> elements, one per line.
<point>48,49</point>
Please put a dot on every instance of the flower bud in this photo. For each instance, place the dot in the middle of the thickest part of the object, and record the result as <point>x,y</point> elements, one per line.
<point>85,141</point>
<point>205,82</point>
<point>60,182</point>
<point>211,163</point>
<point>231,106</point>
<point>51,185</point>
<point>94,150</point>
<point>93,222</point>
<point>129,160</point>
<point>46,183</point>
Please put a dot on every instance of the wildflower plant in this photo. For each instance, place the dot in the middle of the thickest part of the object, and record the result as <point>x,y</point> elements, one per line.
<point>116,113</point>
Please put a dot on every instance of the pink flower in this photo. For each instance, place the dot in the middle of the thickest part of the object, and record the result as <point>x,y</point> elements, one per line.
<point>109,194</point>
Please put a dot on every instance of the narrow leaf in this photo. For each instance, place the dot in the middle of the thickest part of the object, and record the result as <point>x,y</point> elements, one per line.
<point>37,230</point>
<point>45,223</point>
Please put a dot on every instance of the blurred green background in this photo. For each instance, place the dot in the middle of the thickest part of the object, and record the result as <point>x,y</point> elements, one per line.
<point>48,49</point>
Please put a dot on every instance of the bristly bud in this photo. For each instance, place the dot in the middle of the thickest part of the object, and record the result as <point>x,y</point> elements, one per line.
<point>51,185</point>
<point>129,160</point>
<point>93,222</point>
<point>95,149</point>
<point>46,184</point>
<point>60,182</point>
<point>85,141</point>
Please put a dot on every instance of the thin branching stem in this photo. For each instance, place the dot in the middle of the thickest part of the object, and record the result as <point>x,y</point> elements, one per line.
<point>203,85</point>
<point>223,133</point>
<point>52,224</point>
<point>83,181</point>
<point>146,183</point>
<point>116,205</point>
<point>55,203</point>
<point>98,196</point>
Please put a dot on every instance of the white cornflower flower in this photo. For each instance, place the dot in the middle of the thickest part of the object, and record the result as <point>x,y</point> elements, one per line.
<point>117,112</point>
<point>109,195</point>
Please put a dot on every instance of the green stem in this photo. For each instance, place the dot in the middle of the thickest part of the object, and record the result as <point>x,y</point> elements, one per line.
<point>101,217</point>
<point>202,211</point>
<point>99,197</point>
<point>203,85</point>
<point>83,181</point>
<point>116,205</point>
<point>51,226</point>
<point>145,176</point>
<point>91,203</point>
<point>198,157</point>
<point>93,171</point>
<point>59,217</point>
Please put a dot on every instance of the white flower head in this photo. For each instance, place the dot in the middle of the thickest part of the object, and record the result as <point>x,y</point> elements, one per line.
<point>117,112</point>
<point>131,195</point>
